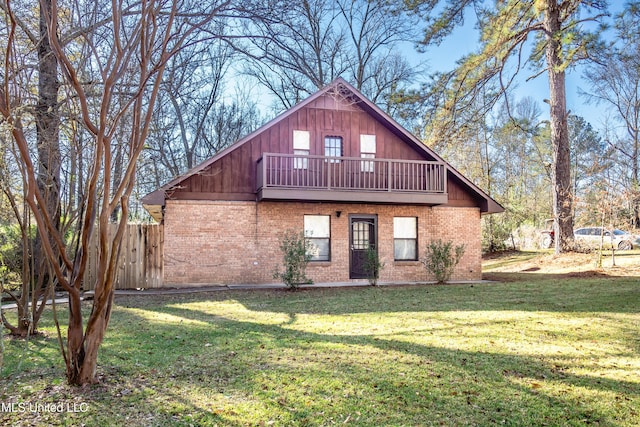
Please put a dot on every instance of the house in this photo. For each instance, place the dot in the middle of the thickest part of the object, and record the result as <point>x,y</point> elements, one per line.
<point>336,167</point>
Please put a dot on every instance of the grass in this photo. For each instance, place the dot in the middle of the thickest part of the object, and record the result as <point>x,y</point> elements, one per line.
<point>530,352</point>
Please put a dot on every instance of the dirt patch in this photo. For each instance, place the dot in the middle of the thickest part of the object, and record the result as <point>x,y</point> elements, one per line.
<point>590,273</point>
<point>618,264</point>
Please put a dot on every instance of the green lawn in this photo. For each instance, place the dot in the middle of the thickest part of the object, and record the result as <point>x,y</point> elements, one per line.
<point>526,353</point>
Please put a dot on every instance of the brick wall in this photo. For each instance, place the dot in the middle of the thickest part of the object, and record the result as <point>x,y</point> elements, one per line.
<point>237,242</point>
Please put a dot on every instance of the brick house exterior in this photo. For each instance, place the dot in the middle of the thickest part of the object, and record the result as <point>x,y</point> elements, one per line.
<point>304,171</point>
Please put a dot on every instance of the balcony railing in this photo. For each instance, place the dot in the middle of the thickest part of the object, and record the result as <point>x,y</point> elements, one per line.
<point>305,172</point>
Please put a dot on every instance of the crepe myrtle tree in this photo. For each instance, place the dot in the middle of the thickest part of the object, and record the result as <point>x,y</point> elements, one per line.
<point>113,72</point>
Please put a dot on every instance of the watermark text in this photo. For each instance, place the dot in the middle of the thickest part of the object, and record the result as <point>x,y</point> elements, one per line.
<point>41,407</point>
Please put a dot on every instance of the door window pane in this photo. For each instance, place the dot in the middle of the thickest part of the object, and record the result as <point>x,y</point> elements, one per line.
<point>361,238</point>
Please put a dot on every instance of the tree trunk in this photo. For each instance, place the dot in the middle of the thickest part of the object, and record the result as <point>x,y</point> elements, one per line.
<point>561,180</point>
<point>83,346</point>
<point>75,341</point>
<point>117,179</point>
<point>635,182</point>
<point>47,125</point>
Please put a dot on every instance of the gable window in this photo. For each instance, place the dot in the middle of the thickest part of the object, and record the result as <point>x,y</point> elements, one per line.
<point>405,238</point>
<point>301,147</point>
<point>367,151</point>
<point>333,147</point>
<point>317,231</point>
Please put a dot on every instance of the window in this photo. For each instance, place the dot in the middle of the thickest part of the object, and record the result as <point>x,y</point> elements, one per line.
<point>301,147</point>
<point>367,151</point>
<point>333,147</point>
<point>317,231</point>
<point>405,238</point>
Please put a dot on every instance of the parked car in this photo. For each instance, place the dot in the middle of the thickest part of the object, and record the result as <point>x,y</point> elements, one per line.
<point>592,236</point>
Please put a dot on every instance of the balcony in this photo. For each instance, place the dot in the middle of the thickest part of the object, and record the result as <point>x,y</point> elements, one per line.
<point>350,179</point>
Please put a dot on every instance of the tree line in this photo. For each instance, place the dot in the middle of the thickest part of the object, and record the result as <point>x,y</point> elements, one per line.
<point>102,102</point>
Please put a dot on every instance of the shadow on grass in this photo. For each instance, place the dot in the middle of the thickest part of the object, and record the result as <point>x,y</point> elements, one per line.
<point>302,378</point>
<point>184,365</point>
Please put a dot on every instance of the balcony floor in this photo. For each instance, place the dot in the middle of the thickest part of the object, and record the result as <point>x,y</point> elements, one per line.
<point>334,195</point>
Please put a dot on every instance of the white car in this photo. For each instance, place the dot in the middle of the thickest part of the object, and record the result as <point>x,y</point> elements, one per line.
<point>592,236</point>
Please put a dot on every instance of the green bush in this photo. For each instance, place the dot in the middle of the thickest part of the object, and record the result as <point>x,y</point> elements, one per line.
<point>495,235</point>
<point>441,258</point>
<point>295,251</point>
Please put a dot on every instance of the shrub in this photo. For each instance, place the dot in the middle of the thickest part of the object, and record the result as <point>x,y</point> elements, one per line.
<point>495,236</point>
<point>11,249</point>
<point>441,258</point>
<point>373,266</point>
<point>295,251</point>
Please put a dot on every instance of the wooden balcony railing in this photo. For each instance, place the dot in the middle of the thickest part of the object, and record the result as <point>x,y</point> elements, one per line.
<point>303,172</point>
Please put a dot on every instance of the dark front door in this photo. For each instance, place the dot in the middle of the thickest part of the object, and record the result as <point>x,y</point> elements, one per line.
<point>362,236</point>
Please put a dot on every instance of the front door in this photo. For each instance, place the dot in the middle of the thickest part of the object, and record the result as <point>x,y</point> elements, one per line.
<point>362,236</point>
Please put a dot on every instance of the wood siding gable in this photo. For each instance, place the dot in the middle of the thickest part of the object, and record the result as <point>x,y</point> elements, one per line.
<point>339,110</point>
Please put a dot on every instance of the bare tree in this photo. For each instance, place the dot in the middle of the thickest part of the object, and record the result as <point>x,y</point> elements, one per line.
<point>305,46</point>
<point>198,114</point>
<point>615,81</point>
<point>296,49</point>
<point>49,158</point>
<point>375,29</point>
<point>30,300</point>
<point>41,110</point>
<point>130,53</point>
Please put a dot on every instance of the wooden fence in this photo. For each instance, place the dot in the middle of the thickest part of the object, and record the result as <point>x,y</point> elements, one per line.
<point>140,259</point>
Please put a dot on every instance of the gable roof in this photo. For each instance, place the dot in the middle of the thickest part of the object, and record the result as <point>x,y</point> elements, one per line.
<point>156,199</point>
